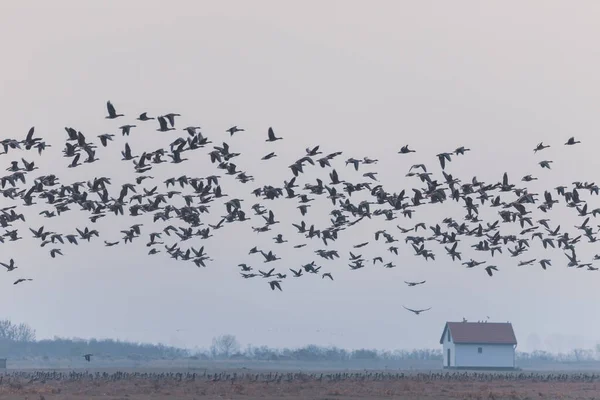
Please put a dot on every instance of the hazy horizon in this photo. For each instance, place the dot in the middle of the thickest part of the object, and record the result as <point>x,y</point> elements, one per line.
<point>555,343</point>
<point>346,75</point>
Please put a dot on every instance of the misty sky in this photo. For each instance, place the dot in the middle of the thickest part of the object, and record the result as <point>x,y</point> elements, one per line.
<point>360,77</point>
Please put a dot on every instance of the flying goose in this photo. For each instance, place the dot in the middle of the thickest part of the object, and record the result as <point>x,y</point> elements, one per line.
<point>144,117</point>
<point>271,136</point>
<point>417,312</point>
<point>10,266</point>
<point>234,129</point>
<point>571,141</point>
<point>112,114</point>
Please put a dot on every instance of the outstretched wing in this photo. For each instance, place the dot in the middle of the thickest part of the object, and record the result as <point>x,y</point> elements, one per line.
<point>110,108</point>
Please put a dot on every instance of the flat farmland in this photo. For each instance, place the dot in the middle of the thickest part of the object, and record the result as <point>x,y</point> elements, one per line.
<point>243,384</point>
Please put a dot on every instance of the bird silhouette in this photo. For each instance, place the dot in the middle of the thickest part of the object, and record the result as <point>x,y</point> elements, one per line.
<point>112,114</point>
<point>10,266</point>
<point>271,136</point>
<point>417,312</point>
<point>414,283</point>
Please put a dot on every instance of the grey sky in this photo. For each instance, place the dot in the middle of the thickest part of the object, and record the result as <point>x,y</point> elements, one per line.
<point>360,77</point>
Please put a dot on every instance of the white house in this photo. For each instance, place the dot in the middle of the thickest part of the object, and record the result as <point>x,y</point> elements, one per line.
<point>479,345</point>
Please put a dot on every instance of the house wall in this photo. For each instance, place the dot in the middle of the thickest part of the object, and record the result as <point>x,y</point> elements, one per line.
<point>492,355</point>
<point>448,344</point>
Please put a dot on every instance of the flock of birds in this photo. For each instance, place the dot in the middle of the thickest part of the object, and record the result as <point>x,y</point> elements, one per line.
<point>181,207</point>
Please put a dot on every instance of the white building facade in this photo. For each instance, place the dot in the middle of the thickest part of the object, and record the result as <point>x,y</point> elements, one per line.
<point>478,345</point>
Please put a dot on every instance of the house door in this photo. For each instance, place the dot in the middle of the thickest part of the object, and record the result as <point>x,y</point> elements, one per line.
<point>448,357</point>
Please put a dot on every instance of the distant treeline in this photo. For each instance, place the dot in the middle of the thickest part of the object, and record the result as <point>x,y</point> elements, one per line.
<point>19,341</point>
<point>318,353</point>
<point>68,348</point>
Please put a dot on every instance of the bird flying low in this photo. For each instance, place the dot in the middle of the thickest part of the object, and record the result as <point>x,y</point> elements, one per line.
<point>417,312</point>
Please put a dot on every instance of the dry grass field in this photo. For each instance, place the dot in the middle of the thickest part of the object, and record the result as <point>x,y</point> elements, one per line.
<point>132,385</point>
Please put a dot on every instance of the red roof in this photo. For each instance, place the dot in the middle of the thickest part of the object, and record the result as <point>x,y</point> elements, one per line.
<point>480,333</point>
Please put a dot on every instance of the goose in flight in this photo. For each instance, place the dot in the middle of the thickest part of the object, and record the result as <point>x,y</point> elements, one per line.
<point>269,256</point>
<point>164,127</point>
<point>417,312</point>
<point>245,267</point>
<point>54,252</point>
<point>144,117</point>
<point>104,138</point>
<point>234,129</point>
<point>370,175</point>
<point>21,280</point>
<point>461,150</point>
<point>127,153</point>
<point>279,239</point>
<point>269,156</point>
<point>544,263</point>
<point>491,268</point>
<point>313,152</point>
<point>545,164</point>
<point>112,114</point>
<point>443,157</point>
<point>275,284</point>
<point>405,150</point>
<point>191,130</point>
<point>271,136</point>
<point>88,357</point>
<point>422,166</point>
<point>126,129</point>
<point>472,263</point>
<point>354,162</point>
<point>405,230</point>
<point>571,141</point>
<point>171,118</point>
<point>30,141</point>
<point>414,283</point>
<point>539,147</point>
<point>528,262</point>
<point>10,266</point>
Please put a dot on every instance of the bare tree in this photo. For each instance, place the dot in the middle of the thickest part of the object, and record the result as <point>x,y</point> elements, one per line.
<point>582,354</point>
<point>18,333</point>
<point>25,333</point>
<point>224,346</point>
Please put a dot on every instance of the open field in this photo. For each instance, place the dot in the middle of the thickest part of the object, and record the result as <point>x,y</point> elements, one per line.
<point>190,364</point>
<point>248,384</point>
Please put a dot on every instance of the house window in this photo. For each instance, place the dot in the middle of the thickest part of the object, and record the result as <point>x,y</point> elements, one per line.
<point>479,350</point>
<point>448,335</point>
